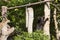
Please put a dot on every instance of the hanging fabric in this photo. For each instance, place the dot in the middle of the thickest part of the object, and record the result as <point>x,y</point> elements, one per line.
<point>29,19</point>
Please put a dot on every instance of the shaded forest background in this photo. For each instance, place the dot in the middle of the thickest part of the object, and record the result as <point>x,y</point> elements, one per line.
<point>17,17</point>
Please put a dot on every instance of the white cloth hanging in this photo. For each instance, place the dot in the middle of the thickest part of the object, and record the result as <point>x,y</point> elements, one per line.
<point>29,19</point>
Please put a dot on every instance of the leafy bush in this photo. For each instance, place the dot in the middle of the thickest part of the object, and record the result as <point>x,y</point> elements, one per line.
<point>38,35</point>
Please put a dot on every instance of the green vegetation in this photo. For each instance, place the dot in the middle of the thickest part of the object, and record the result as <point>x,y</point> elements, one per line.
<point>18,20</point>
<point>38,35</point>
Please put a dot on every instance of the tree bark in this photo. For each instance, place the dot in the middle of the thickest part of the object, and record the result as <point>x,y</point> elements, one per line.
<point>47,15</point>
<point>56,24</point>
<point>6,30</point>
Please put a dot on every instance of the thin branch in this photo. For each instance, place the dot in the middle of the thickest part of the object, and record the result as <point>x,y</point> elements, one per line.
<point>29,4</point>
<point>56,6</point>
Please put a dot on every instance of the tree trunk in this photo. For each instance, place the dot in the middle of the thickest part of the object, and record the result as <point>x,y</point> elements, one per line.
<point>6,30</point>
<point>56,25</point>
<point>47,15</point>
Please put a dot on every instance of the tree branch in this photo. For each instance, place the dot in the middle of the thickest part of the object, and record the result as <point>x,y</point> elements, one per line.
<point>56,6</point>
<point>29,4</point>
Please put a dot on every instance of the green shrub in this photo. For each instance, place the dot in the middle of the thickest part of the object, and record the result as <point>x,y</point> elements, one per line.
<point>38,35</point>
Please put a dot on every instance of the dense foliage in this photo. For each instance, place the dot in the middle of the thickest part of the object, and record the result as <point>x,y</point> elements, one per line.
<point>38,35</point>
<point>17,18</point>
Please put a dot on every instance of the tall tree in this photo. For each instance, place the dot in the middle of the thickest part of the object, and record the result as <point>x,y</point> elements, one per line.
<point>47,15</point>
<point>6,30</point>
<point>56,26</point>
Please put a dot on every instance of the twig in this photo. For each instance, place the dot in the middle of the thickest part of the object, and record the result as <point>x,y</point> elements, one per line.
<point>56,7</point>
